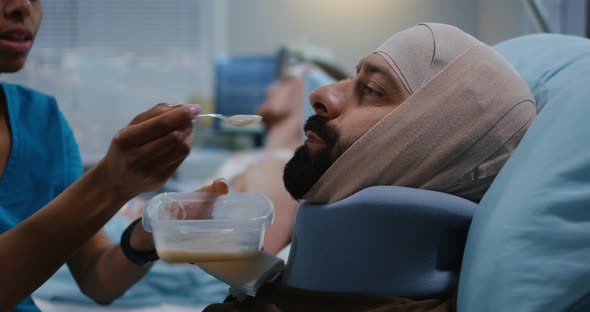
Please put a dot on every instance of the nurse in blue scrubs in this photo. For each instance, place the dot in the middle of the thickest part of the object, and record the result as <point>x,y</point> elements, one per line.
<point>51,214</point>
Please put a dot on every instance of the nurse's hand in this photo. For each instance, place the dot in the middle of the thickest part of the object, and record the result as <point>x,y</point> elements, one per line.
<point>145,154</point>
<point>141,240</point>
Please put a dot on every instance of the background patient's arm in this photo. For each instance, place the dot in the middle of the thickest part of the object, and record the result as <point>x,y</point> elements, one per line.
<point>266,177</point>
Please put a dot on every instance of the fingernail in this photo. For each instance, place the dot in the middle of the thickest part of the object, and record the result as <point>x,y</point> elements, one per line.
<point>194,109</point>
<point>221,180</point>
<point>221,183</point>
<point>172,105</point>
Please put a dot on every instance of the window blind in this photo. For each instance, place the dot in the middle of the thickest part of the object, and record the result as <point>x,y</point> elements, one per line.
<point>106,61</point>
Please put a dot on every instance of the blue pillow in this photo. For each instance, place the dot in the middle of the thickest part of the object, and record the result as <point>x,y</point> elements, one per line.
<point>528,247</point>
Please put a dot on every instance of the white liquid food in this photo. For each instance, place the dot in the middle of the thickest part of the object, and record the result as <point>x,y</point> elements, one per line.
<point>243,120</point>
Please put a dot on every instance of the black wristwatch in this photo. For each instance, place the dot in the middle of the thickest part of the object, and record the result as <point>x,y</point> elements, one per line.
<point>140,258</point>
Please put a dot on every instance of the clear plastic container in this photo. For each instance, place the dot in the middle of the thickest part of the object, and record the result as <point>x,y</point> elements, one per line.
<point>204,227</point>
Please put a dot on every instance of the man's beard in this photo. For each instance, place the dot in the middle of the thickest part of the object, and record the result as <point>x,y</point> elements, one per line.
<point>305,169</point>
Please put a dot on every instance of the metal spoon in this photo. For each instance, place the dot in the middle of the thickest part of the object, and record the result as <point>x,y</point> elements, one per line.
<point>235,120</point>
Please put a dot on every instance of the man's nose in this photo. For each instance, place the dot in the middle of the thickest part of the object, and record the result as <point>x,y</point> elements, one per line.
<point>328,101</point>
<point>17,9</point>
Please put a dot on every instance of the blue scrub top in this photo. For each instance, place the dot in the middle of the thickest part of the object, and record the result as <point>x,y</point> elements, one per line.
<point>44,159</point>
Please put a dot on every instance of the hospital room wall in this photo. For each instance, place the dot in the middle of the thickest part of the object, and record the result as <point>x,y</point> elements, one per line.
<point>351,29</point>
<point>501,19</point>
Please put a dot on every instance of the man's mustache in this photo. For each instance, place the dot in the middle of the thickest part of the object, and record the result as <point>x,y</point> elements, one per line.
<point>319,125</point>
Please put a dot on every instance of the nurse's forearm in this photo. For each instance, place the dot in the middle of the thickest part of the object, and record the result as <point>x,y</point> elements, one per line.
<point>33,250</point>
<point>101,269</point>
<point>109,276</point>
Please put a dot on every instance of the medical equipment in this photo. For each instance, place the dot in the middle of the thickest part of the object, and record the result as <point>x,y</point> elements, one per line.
<point>383,240</point>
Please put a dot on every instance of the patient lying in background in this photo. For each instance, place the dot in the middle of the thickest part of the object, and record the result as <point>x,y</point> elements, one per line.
<point>283,112</point>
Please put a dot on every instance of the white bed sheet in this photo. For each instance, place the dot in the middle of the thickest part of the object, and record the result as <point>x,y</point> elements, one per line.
<point>51,306</point>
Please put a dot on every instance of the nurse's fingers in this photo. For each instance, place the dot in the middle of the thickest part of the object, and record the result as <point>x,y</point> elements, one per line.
<point>158,126</point>
<point>203,209</point>
<point>219,186</point>
<point>166,171</point>
<point>163,151</point>
<point>158,109</point>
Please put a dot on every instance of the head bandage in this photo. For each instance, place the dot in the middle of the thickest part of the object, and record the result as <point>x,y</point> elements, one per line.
<point>467,110</point>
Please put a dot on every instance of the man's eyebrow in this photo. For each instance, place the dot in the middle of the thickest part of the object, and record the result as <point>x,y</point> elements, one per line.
<point>372,69</point>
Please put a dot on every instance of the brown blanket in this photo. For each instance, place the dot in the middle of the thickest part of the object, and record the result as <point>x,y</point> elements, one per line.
<point>278,298</point>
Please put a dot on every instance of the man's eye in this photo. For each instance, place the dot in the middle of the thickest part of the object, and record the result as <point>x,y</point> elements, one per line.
<point>371,92</point>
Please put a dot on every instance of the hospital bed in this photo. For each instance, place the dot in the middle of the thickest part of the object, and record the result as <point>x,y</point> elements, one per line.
<point>528,246</point>
<point>49,306</point>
